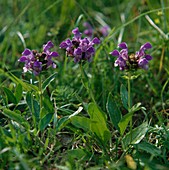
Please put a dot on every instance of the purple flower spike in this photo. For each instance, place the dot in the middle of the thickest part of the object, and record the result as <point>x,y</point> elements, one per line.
<point>37,62</point>
<point>134,61</point>
<point>89,30</point>
<point>79,48</point>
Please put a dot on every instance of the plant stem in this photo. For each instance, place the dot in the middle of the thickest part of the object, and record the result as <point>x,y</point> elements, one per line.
<point>129,104</point>
<point>40,91</point>
<point>87,84</point>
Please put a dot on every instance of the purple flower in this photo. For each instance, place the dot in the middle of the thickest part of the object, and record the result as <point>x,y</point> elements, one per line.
<point>37,67</point>
<point>49,54</point>
<point>89,30</point>
<point>134,61</point>
<point>37,62</point>
<point>79,48</point>
<point>104,30</point>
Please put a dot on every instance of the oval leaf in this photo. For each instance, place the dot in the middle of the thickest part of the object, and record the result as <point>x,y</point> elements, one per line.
<point>45,121</point>
<point>114,111</point>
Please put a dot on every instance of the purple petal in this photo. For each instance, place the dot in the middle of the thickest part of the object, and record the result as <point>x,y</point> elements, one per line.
<point>146,46</point>
<point>123,45</point>
<point>96,41</point>
<point>91,50</point>
<point>105,30</point>
<point>37,64</point>
<point>115,53</point>
<point>63,45</point>
<point>54,54</point>
<point>143,63</point>
<point>23,59</point>
<point>47,46</point>
<point>86,24</point>
<point>78,51</point>
<point>53,65</point>
<point>85,41</point>
<point>76,33</point>
<point>27,52</point>
<point>148,57</point>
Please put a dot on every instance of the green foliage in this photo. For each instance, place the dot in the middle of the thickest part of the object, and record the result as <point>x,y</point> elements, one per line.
<point>114,112</point>
<point>124,96</point>
<point>137,135</point>
<point>98,123</point>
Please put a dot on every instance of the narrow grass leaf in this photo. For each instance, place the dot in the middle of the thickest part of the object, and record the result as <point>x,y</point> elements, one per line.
<point>114,111</point>
<point>48,81</point>
<point>137,135</point>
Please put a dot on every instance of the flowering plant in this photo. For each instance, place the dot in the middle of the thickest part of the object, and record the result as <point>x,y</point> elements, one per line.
<point>79,48</point>
<point>38,62</point>
<point>134,61</point>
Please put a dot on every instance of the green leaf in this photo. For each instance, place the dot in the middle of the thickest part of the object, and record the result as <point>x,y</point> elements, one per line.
<point>18,92</point>
<point>10,95</point>
<point>152,149</point>
<point>136,107</point>
<point>14,116</point>
<point>98,123</point>
<point>36,110</point>
<point>80,154</point>
<point>45,121</point>
<point>137,135</point>
<point>114,112</point>
<point>33,106</point>
<point>26,86</point>
<point>81,122</point>
<point>62,122</point>
<point>48,81</point>
<point>124,96</point>
<point>124,122</point>
<point>48,105</point>
<point>65,120</point>
<point>29,101</point>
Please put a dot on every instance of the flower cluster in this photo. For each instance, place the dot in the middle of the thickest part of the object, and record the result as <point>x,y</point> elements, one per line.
<point>134,61</point>
<point>79,48</point>
<point>37,62</point>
